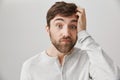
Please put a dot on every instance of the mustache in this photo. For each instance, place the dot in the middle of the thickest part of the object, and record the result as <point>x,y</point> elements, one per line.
<point>66,38</point>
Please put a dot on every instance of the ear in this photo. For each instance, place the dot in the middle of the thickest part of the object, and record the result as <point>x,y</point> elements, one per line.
<point>47,28</point>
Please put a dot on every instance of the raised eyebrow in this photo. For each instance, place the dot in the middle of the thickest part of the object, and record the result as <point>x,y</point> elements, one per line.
<point>58,19</point>
<point>74,20</point>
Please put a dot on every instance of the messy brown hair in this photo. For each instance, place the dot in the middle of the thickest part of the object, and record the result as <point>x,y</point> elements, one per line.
<point>62,8</point>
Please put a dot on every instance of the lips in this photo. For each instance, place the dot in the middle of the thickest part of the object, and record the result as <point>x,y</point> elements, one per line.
<point>65,40</point>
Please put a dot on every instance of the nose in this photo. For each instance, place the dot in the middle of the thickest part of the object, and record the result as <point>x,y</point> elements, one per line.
<point>66,31</point>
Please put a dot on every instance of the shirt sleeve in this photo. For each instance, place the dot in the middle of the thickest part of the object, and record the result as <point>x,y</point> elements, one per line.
<point>101,65</point>
<point>25,73</point>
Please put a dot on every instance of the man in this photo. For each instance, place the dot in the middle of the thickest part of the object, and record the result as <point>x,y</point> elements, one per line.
<point>66,23</point>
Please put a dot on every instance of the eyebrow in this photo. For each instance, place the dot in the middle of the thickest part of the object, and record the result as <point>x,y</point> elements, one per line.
<point>58,19</point>
<point>63,20</point>
<point>74,20</point>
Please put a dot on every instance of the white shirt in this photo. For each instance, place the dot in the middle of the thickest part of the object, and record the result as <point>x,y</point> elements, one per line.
<point>88,62</point>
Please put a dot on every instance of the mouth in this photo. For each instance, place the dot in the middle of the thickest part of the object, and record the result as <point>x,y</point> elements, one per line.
<point>66,40</point>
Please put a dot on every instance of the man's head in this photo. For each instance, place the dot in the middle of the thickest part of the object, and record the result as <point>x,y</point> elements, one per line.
<point>62,26</point>
<point>61,8</point>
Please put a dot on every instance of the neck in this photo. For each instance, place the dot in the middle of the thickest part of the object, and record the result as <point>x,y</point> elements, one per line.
<point>53,52</point>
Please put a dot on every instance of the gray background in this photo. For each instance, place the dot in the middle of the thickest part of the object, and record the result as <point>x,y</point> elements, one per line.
<point>22,30</point>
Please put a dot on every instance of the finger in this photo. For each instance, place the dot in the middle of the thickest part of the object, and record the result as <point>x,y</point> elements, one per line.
<point>79,21</point>
<point>78,14</point>
<point>80,9</point>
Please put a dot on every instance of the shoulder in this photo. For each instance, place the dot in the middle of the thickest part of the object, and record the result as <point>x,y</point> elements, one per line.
<point>32,60</point>
<point>81,53</point>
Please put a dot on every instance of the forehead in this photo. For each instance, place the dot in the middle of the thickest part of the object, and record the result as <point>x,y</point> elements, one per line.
<point>72,18</point>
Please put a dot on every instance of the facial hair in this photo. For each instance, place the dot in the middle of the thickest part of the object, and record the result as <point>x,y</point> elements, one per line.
<point>63,47</point>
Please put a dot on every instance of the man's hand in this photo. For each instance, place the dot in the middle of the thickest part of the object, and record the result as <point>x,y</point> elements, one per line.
<point>81,20</point>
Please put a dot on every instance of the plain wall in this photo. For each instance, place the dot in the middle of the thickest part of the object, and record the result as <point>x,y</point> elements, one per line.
<point>22,30</point>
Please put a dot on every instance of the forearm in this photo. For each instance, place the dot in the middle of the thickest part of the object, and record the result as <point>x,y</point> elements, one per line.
<point>100,64</point>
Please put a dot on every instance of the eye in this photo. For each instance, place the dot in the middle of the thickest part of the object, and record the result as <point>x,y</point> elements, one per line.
<point>73,27</point>
<point>59,26</point>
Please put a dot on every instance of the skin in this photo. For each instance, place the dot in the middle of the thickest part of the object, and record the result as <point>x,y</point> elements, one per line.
<point>63,33</point>
<point>82,19</point>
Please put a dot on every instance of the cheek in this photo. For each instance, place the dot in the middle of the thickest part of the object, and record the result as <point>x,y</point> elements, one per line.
<point>54,31</point>
<point>74,35</point>
<point>54,35</point>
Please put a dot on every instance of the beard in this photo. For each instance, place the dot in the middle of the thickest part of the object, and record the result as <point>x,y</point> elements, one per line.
<point>61,46</point>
